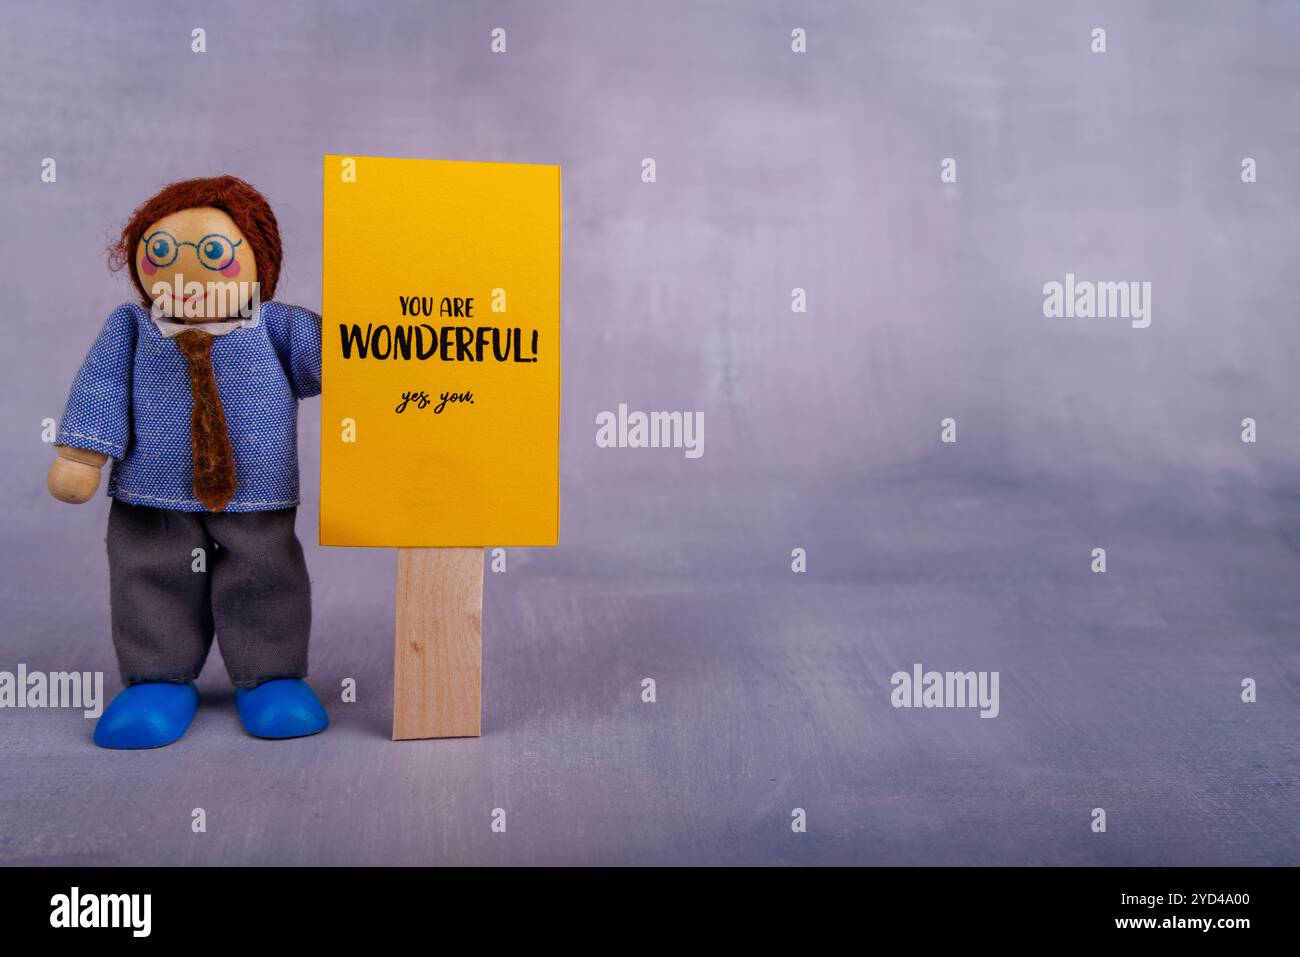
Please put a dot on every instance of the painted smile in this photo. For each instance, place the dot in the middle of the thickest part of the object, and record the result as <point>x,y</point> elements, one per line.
<point>185,302</point>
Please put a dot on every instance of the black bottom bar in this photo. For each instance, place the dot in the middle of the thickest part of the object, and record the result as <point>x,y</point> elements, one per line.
<point>323,905</point>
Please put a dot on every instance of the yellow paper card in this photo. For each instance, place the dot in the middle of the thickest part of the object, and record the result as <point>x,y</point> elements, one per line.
<point>440,408</point>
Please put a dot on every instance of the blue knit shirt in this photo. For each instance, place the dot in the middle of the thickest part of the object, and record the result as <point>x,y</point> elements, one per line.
<point>131,401</point>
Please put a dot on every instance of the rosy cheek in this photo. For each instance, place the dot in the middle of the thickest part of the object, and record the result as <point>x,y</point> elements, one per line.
<point>231,271</point>
<point>147,267</point>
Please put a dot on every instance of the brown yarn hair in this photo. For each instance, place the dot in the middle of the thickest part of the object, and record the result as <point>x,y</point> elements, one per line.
<point>237,199</point>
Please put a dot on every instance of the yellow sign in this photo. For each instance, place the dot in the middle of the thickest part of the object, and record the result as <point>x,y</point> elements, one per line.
<point>440,411</point>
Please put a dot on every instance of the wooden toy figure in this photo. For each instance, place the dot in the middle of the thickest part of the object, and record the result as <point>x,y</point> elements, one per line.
<point>193,392</point>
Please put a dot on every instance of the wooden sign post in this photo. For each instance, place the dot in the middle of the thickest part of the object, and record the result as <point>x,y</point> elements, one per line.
<point>440,405</point>
<point>438,654</point>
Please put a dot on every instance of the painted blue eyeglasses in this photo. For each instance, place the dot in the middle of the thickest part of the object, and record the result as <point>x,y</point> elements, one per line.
<point>215,251</point>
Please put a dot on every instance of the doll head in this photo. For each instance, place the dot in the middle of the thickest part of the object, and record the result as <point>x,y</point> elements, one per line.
<point>201,249</point>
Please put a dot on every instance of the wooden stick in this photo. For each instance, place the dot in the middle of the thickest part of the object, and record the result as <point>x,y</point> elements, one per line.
<point>438,653</point>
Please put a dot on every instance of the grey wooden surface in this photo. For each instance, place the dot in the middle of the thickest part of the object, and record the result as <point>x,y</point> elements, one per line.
<point>1117,691</point>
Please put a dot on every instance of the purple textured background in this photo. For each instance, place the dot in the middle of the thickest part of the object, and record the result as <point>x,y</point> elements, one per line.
<point>821,431</point>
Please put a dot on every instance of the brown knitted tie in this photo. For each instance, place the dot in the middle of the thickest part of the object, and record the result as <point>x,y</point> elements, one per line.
<point>214,459</point>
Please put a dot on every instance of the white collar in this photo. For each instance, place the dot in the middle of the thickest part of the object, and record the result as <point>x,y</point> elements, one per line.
<point>170,329</point>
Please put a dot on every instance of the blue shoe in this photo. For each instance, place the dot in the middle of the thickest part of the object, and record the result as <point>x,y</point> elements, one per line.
<point>147,716</point>
<point>283,708</point>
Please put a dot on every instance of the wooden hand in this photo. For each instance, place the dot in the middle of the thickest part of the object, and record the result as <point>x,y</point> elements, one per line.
<point>74,476</point>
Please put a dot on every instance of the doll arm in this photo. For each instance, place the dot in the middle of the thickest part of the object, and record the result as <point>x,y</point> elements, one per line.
<point>96,424</point>
<point>74,475</point>
<point>295,333</point>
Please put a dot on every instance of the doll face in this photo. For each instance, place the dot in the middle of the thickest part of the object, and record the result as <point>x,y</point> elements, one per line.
<point>197,266</point>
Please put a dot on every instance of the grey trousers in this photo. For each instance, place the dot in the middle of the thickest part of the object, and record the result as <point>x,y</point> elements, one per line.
<point>176,577</point>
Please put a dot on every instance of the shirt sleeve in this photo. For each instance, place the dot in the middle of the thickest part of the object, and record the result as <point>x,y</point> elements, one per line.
<point>98,414</point>
<point>296,337</point>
